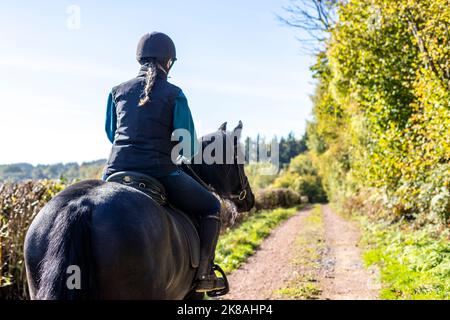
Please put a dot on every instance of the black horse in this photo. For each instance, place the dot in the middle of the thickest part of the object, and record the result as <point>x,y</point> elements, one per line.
<point>123,243</point>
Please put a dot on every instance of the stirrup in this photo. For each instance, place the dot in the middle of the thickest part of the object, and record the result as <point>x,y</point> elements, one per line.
<point>221,292</point>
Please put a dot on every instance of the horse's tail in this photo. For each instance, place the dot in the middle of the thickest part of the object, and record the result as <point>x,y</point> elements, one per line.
<point>67,270</point>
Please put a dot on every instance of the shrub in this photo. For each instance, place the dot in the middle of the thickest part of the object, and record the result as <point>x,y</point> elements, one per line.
<point>440,205</point>
<point>271,198</point>
<point>301,177</point>
<point>19,204</point>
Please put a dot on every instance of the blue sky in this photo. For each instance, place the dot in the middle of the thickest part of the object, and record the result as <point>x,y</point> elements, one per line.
<point>235,62</point>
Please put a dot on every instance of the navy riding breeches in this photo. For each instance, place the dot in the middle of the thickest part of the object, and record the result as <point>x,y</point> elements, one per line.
<point>189,196</point>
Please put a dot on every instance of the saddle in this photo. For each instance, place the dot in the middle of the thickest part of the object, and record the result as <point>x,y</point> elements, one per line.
<point>142,182</point>
<point>155,190</point>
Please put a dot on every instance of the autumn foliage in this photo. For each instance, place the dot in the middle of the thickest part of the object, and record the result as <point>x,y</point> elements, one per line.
<point>382,107</point>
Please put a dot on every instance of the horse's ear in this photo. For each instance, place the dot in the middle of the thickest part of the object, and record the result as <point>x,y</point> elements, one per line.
<point>239,126</point>
<point>223,127</point>
<point>237,131</point>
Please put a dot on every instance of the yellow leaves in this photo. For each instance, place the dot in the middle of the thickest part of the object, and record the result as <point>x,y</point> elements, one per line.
<point>392,89</point>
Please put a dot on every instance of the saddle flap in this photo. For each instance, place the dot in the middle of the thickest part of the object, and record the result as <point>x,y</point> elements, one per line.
<point>191,234</point>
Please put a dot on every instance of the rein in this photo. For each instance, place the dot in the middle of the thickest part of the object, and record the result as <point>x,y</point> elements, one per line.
<point>242,180</point>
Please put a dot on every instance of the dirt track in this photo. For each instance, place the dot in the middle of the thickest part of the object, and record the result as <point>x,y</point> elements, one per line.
<point>327,261</point>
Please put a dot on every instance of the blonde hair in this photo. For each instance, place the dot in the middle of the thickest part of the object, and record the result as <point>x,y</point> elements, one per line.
<point>149,83</point>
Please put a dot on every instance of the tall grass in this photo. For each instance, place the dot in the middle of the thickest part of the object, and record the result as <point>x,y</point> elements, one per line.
<point>414,263</point>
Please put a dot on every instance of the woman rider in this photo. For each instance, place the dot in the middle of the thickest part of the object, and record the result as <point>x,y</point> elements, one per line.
<point>142,114</point>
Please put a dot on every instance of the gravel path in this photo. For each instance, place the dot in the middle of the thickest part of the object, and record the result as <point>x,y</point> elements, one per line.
<point>341,274</point>
<point>349,280</point>
<point>270,267</point>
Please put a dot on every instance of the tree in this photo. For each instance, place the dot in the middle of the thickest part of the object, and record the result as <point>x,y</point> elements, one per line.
<point>291,147</point>
<point>314,18</point>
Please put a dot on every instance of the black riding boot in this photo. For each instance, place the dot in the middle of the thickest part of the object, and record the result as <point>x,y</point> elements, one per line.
<point>206,279</point>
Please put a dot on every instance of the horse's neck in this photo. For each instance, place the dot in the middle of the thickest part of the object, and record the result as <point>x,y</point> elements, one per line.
<point>200,172</point>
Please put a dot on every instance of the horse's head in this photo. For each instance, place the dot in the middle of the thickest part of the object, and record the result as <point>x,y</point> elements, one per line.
<point>221,165</point>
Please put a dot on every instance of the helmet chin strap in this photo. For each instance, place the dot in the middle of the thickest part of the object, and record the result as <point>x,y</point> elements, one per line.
<point>160,67</point>
<point>169,66</point>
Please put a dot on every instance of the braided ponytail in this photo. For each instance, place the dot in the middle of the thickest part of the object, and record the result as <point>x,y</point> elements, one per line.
<point>150,81</point>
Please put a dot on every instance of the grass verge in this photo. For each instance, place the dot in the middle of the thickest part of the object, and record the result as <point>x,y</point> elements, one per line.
<point>238,244</point>
<point>413,264</point>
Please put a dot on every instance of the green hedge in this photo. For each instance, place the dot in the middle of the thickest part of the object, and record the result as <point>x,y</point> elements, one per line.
<point>271,198</point>
<point>382,106</point>
<point>19,204</point>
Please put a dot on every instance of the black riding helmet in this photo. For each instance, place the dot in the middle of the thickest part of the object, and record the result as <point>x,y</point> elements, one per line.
<point>155,45</point>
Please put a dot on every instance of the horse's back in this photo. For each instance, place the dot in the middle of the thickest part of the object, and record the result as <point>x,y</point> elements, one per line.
<point>132,245</point>
<point>135,252</point>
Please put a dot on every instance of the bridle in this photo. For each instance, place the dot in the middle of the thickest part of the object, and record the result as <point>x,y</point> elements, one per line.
<point>243,184</point>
